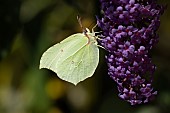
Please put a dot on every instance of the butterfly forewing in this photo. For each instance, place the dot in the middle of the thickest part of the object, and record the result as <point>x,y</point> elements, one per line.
<point>62,50</point>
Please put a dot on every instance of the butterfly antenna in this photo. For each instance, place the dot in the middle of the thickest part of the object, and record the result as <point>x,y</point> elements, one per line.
<point>94,28</point>
<point>80,23</point>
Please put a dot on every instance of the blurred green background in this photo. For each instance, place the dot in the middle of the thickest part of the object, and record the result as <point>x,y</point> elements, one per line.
<point>29,27</point>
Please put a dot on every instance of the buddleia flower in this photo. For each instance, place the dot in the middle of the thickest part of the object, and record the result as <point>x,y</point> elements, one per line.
<point>129,33</point>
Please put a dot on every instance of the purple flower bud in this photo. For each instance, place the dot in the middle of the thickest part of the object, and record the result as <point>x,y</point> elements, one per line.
<point>132,10</point>
<point>135,63</point>
<point>121,16</point>
<point>120,27</point>
<point>129,33</point>
<point>131,49</point>
<point>119,8</point>
<point>127,7</point>
<point>112,68</point>
<point>131,2</point>
<point>120,60</point>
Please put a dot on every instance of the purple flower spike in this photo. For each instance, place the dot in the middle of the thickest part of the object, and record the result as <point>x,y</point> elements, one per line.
<point>129,33</point>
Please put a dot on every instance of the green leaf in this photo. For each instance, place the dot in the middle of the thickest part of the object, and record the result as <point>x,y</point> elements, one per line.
<point>73,59</point>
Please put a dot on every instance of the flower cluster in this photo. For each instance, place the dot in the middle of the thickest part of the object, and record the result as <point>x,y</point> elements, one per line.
<point>129,33</point>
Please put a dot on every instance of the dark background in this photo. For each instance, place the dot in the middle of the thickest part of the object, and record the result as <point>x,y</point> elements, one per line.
<point>29,27</point>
